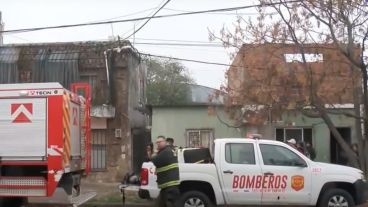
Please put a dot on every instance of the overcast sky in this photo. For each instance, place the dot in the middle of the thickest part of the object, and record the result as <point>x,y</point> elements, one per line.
<point>38,13</point>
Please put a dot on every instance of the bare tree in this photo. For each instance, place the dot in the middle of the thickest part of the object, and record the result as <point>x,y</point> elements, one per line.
<point>311,27</point>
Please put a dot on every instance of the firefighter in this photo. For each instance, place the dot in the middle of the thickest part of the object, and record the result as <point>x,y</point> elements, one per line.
<point>167,170</point>
<point>170,141</point>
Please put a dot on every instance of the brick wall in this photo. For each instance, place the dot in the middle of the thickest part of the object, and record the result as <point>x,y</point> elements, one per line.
<point>264,71</point>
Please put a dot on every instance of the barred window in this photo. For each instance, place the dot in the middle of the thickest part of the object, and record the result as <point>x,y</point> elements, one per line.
<point>98,150</point>
<point>199,138</point>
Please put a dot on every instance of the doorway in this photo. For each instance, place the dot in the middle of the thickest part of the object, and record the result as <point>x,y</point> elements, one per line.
<point>140,139</point>
<point>338,156</point>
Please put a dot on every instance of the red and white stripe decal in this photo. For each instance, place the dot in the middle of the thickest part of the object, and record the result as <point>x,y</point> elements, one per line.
<point>55,141</point>
<point>55,151</point>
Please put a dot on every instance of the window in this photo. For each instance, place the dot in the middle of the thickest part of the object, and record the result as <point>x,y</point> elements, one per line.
<point>299,134</point>
<point>199,138</point>
<point>279,156</point>
<point>309,58</point>
<point>98,151</point>
<point>238,153</point>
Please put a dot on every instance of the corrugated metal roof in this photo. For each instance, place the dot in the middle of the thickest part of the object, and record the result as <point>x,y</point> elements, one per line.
<point>8,64</point>
<point>9,54</point>
<point>56,66</point>
<point>201,95</point>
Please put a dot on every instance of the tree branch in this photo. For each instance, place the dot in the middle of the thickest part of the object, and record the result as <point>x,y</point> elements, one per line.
<point>330,24</point>
<point>310,113</point>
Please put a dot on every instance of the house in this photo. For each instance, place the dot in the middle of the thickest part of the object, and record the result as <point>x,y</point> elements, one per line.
<point>195,123</point>
<point>271,75</point>
<point>117,79</point>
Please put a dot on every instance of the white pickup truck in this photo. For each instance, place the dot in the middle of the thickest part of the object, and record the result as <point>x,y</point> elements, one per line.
<point>258,172</point>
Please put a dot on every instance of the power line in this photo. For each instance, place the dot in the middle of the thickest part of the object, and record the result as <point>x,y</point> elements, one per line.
<point>101,58</point>
<point>188,60</point>
<point>171,40</point>
<point>163,41</point>
<point>109,44</point>
<point>218,13</point>
<point>135,32</point>
<point>127,15</point>
<point>193,50</point>
<point>19,38</point>
<point>150,14</point>
<point>205,50</point>
<point>143,18</point>
<point>179,44</point>
<point>143,54</point>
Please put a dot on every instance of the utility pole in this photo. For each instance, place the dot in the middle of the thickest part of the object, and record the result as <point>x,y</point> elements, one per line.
<point>1,29</point>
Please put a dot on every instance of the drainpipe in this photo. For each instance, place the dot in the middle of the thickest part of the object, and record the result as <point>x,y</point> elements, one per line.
<point>109,70</point>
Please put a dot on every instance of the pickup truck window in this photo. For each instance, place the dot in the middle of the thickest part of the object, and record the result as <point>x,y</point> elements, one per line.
<point>200,155</point>
<point>240,153</point>
<point>280,156</point>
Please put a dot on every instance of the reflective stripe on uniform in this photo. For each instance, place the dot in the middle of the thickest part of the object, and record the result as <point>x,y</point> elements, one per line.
<point>168,184</point>
<point>166,168</point>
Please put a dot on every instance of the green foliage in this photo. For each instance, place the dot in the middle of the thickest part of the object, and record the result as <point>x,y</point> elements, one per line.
<point>167,83</point>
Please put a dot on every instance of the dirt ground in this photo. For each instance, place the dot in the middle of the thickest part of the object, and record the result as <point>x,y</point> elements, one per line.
<point>108,195</point>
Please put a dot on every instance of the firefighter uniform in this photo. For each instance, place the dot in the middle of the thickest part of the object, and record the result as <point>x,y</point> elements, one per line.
<point>167,170</point>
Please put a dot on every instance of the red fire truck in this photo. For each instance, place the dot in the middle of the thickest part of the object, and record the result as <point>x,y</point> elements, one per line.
<point>44,140</point>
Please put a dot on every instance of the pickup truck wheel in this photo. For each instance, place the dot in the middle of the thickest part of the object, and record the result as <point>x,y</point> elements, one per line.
<point>195,199</point>
<point>336,198</point>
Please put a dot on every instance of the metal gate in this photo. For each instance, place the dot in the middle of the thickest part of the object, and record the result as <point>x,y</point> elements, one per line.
<point>98,150</point>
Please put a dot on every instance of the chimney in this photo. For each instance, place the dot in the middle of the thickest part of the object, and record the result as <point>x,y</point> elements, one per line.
<point>1,29</point>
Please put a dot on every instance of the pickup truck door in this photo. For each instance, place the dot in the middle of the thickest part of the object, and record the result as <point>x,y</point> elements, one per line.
<point>287,175</point>
<point>238,170</point>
